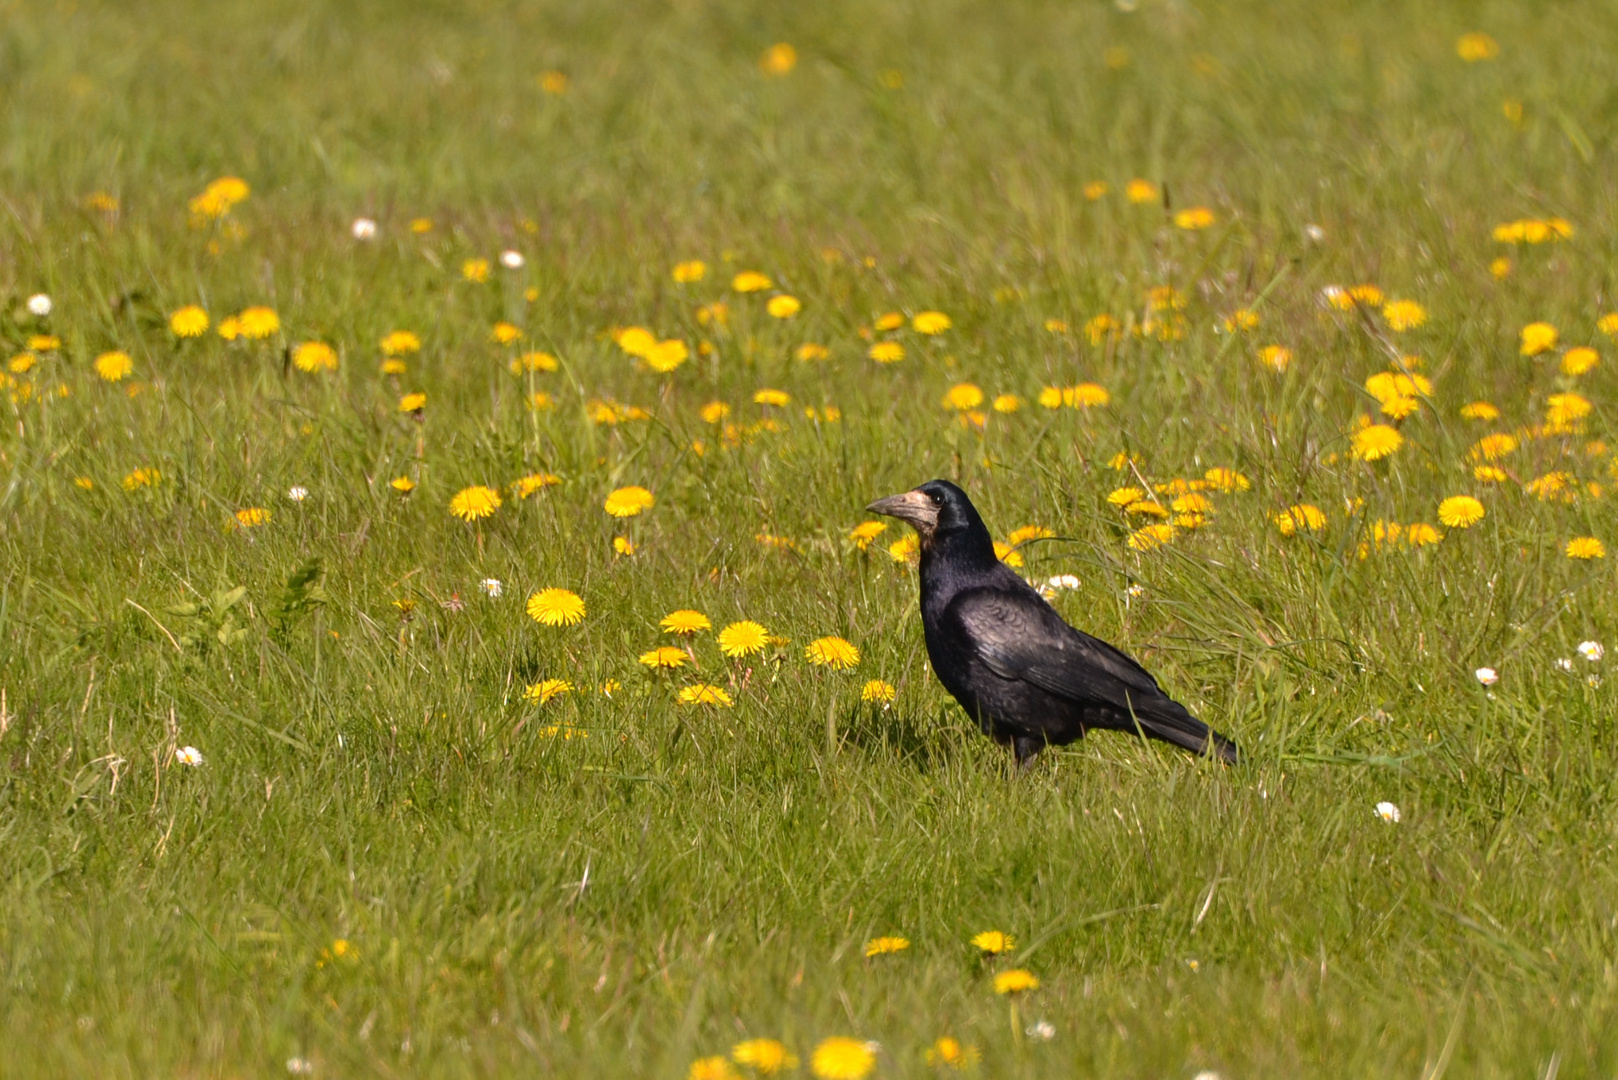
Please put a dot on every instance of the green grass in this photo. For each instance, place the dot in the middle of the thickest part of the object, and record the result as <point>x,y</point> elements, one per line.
<point>682,878</point>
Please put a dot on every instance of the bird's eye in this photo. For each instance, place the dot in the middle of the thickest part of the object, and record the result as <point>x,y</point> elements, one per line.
<point>938,500</point>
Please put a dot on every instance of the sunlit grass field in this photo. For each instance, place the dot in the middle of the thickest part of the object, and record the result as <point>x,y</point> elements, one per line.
<point>1226,315</point>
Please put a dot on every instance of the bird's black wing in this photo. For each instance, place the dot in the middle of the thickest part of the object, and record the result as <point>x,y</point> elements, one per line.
<point>1019,636</point>
<point>1022,637</point>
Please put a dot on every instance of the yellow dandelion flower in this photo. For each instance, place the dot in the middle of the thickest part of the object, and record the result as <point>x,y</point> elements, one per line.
<point>1537,337</point>
<point>1493,447</point>
<point>1563,410</point>
<point>421,226</point>
<point>1490,474</point>
<point>711,1068</point>
<point>1147,508</point>
<point>400,343</point>
<point>528,485</point>
<point>114,366</point>
<point>930,322</point>
<point>1275,357</point>
<point>1460,512</point>
<point>751,281</point>
<point>1585,547</point>
<point>1607,324</point>
<point>1148,537</point>
<point>963,396</point>
<point>1194,218</point>
<point>685,622</point>
<point>402,484</point>
<point>252,517</point>
<point>1240,320</point>
<point>689,271</point>
<point>877,692</point>
<point>623,545</point>
<point>1125,496</point>
<point>1402,315</point>
<point>1480,410</point>
<point>546,689</point>
<point>743,638</point>
<point>1553,487</point>
<point>144,476</point>
<point>886,352</point>
<point>866,532</point>
<point>413,403</point>
<point>1500,268</point>
<point>258,323</point>
<point>189,321</point>
<point>884,946</point>
<point>705,694</point>
<point>84,483</point>
<point>1140,191</point>
<point>949,1053</point>
<point>664,658</point>
<point>1096,189</point>
<point>1007,403</point>
<point>1303,517</point>
<point>1477,46</point>
<point>832,652</point>
<point>810,351</point>
<point>313,356</point>
<point>1015,981</point>
<point>1056,326</point>
<point>394,367</point>
<point>783,307</point>
<point>779,59</point>
<point>1100,327</point>
<point>840,1058</point>
<point>504,333</point>
<point>1086,395</point>
<point>1580,361</point>
<point>994,942</point>
<point>1227,480</point>
<point>1005,554</point>
<point>478,501</point>
<point>475,270</point>
<point>554,83</point>
<point>764,1056</point>
<point>1377,441</point>
<point>629,501</point>
<point>1422,534</point>
<point>665,356</point>
<point>777,398</point>
<point>891,320</point>
<point>714,412</point>
<point>555,607</point>
<point>907,550</point>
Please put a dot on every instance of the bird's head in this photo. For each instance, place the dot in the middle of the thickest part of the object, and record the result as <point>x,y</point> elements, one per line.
<point>938,509</point>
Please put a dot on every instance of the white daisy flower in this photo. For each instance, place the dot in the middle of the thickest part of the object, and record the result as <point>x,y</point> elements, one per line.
<point>1591,650</point>
<point>363,228</point>
<point>1388,812</point>
<point>297,493</point>
<point>512,260</point>
<point>188,755</point>
<point>492,586</point>
<point>1487,676</point>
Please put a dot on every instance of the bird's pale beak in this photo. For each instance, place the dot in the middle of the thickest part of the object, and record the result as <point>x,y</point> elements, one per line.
<point>916,507</point>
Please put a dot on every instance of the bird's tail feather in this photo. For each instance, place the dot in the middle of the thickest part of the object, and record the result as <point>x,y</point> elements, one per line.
<point>1169,721</point>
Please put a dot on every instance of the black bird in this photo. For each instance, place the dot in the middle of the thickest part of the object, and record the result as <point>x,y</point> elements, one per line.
<point>1027,677</point>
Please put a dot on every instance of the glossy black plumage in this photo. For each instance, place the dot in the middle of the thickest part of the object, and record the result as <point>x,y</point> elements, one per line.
<point>1026,676</point>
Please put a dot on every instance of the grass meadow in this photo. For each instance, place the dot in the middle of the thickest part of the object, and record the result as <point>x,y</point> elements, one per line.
<point>293,782</point>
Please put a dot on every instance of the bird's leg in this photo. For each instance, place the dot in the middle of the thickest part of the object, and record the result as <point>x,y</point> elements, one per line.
<point>1026,750</point>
